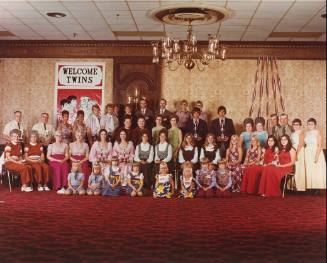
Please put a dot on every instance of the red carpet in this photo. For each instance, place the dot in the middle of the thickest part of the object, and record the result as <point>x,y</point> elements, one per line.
<point>46,227</point>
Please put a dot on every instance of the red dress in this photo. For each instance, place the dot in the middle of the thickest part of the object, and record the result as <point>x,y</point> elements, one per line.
<point>252,175</point>
<point>271,176</point>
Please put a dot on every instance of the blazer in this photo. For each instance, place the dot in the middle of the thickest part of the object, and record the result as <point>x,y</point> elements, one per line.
<point>149,117</point>
<point>201,130</point>
<point>229,128</point>
<point>165,118</point>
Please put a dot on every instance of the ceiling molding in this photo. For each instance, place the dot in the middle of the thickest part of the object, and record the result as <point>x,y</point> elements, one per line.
<point>112,49</point>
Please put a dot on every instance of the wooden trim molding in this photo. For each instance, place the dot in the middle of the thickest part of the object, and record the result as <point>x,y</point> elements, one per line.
<point>114,49</point>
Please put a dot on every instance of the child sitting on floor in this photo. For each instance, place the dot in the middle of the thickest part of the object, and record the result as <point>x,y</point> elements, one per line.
<point>205,179</point>
<point>187,181</point>
<point>75,181</point>
<point>95,179</point>
<point>112,178</point>
<point>135,181</point>
<point>164,184</point>
<point>223,180</point>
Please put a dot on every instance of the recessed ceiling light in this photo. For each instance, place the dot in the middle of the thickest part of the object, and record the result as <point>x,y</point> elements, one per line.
<point>56,14</point>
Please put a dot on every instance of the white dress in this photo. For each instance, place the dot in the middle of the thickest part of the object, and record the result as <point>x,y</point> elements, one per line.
<point>315,172</point>
<point>299,164</point>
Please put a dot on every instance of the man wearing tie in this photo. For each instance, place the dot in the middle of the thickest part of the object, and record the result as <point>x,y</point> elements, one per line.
<point>45,131</point>
<point>223,128</point>
<point>197,127</point>
<point>146,113</point>
<point>15,124</point>
<point>164,113</point>
<point>284,127</point>
<point>109,121</point>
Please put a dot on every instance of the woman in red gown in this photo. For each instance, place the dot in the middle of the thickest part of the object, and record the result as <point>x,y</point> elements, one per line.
<point>251,180</point>
<point>272,175</point>
<point>251,163</point>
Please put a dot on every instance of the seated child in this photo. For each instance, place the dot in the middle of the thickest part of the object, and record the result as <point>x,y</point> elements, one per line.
<point>135,181</point>
<point>164,184</point>
<point>187,181</point>
<point>95,180</point>
<point>223,180</point>
<point>75,181</point>
<point>111,180</point>
<point>205,179</point>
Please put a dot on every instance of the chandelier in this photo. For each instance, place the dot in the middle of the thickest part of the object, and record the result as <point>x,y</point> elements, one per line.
<point>188,54</point>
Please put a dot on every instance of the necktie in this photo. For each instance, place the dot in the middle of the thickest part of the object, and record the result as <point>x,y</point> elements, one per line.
<point>284,130</point>
<point>45,126</point>
<point>143,111</point>
<point>18,125</point>
<point>162,112</point>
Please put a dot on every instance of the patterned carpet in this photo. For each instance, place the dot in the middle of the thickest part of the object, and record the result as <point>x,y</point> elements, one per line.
<point>46,227</point>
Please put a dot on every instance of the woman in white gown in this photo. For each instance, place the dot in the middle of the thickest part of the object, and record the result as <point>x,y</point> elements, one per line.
<point>314,158</point>
<point>297,138</point>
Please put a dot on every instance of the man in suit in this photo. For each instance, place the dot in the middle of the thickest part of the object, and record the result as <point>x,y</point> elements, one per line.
<point>223,128</point>
<point>197,127</point>
<point>284,127</point>
<point>164,113</point>
<point>146,113</point>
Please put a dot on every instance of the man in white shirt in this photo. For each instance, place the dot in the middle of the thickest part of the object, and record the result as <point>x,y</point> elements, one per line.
<point>44,129</point>
<point>93,124</point>
<point>109,121</point>
<point>15,124</point>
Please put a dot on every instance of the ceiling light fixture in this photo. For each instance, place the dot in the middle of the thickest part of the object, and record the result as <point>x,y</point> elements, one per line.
<point>172,52</point>
<point>56,14</point>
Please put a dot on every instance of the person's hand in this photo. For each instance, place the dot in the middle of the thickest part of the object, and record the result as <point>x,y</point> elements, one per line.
<point>158,161</point>
<point>316,158</point>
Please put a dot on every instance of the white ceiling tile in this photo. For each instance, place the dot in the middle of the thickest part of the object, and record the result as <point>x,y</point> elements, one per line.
<point>275,6</point>
<point>115,13</point>
<point>243,5</point>
<point>112,5</point>
<point>85,14</point>
<point>143,5</point>
<point>266,21</point>
<point>260,28</point>
<point>146,27</point>
<point>79,5</point>
<point>15,28</point>
<point>34,21</point>
<point>230,38</point>
<point>288,28</point>
<point>70,28</point>
<point>236,22</point>
<point>315,28</point>
<point>46,27</point>
<point>95,27</point>
<point>4,14</point>
<point>9,21</point>
<point>145,20</point>
<point>129,38</point>
<point>255,36</point>
<point>267,15</point>
<point>120,21</point>
<point>123,27</point>
<point>242,14</point>
<point>26,14</point>
<point>16,6</point>
<point>48,6</point>
<point>232,28</point>
<point>140,13</point>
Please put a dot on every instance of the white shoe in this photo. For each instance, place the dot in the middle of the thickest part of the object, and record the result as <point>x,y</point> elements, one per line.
<point>40,189</point>
<point>46,188</point>
<point>61,191</point>
<point>28,189</point>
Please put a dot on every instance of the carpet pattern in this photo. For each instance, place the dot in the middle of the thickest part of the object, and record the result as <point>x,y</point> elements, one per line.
<point>46,227</point>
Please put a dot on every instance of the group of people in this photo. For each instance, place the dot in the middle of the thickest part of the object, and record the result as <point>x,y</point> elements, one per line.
<point>135,152</point>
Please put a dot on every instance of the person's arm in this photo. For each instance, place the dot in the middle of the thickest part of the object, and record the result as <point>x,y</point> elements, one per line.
<point>240,155</point>
<point>217,158</point>
<point>66,155</point>
<point>141,183</point>
<point>197,180</point>
<point>136,155</point>
<point>170,154</point>
<point>118,181</point>
<point>195,157</point>
<point>241,140</point>
<point>150,159</point>
<point>92,155</point>
<point>246,160</point>
<point>82,182</point>
<point>201,154</point>
<point>156,157</point>
<point>172,185</point>
<point>301,143</point>
<point>86,154</point>
<point>229,184</point>
<point>129,182</point>
<point>68,181</point>
<point>319,150</point>
<point>213,182</point>
<point>180,156</point>
<point>257,161</point>
<point>70,154</point>
<point>89,182</point>
<point>180,137</point>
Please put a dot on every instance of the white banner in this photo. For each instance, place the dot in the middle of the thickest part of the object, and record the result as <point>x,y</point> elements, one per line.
<point>80,75</point>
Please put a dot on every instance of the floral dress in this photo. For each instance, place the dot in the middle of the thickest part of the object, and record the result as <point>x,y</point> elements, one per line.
<point>235,169</point>
<point>187,183</point>
<point>162,188</point>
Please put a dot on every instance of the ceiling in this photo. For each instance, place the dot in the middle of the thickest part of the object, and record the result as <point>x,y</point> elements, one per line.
<point>251,20</point>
